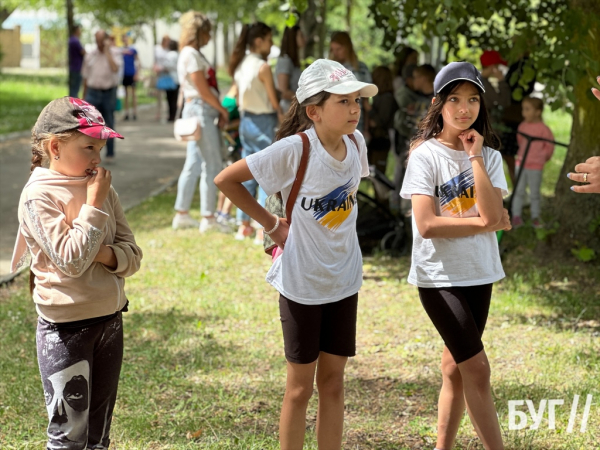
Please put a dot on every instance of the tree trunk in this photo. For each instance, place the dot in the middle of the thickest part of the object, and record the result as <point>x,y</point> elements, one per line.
<point>70,21</point>
<point>349,15</point>
<point>70,28</point>
<point>309,26</point>
<point>323,29</point>
<point>225,34</point>
<point>215,46</point>
<point>575,212</point>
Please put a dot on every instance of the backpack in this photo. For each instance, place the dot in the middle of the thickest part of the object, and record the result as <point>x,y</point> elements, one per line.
<point>274,203</point>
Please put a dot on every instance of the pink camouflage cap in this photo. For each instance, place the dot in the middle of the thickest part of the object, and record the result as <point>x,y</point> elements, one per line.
<point>69,113</point>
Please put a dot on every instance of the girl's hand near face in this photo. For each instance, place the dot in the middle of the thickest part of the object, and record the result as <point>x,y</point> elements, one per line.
<point>98,187</point>
<point>472,142</point>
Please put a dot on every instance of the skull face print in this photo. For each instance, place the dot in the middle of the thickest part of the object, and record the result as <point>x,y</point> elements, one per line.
<point>67,402</point>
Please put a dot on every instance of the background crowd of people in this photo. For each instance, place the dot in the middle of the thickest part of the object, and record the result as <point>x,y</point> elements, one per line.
<point>263,91</point>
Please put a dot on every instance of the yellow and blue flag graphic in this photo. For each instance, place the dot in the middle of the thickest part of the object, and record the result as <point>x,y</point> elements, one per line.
<point>458,197</point>
<point>333,209</point>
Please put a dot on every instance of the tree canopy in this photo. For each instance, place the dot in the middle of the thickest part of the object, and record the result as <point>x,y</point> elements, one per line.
<point>556,34</point>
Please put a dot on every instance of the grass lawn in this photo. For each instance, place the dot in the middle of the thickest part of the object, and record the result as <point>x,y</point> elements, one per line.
<point>204,365</point>
<point>24,96</point>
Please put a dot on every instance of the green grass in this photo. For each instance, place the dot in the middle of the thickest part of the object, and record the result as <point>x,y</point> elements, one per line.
<point>204,365</point>
<point>24,96</point>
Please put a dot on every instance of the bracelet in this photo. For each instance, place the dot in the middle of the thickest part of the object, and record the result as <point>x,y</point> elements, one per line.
<point>475,156</point>
<point>272,230</point>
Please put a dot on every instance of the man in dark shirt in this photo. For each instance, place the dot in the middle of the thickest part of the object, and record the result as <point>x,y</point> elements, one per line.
<point>76,54</point>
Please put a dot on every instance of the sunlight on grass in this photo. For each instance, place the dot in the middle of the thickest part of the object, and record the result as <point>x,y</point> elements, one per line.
<point>204,365</point>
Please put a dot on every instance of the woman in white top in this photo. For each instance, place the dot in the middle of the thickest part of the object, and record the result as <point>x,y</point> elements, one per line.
<point>287,69</point>
<point>198,83</point>
<point>257,102</point>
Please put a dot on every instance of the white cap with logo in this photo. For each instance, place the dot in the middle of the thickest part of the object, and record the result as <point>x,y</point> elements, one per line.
<point>330,76</point>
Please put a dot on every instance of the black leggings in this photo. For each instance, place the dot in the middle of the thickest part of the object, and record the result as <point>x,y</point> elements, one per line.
<point>172,101</point>
<point>80,369</point>
<point>459,313</point>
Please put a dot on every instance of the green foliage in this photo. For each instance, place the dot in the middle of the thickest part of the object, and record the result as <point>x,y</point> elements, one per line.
<point>543,233</point>
<point>555,33</point>
<point>584,253</point>
<point>595,225</point>
<point>366,36</point>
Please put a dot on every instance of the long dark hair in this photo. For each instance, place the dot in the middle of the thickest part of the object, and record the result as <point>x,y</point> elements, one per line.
<point>295,119</point>
<point>247,37</point>
<point>401,59</point>
<point>289,45</point>
<point>433,122</point>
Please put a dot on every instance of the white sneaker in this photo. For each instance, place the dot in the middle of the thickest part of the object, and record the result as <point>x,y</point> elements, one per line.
<point>226,219</point>
<point>211,224</point>
<point>184,221</point>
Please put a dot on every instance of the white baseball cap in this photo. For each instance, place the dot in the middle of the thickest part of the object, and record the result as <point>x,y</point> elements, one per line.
<point>330,76</point>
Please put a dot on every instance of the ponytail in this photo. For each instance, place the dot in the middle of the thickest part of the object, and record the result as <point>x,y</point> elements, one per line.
<point>295,119</point>
<point>37,157</point>
<point>31,281</point>
<point>239,51</point>
<point>247,37</point>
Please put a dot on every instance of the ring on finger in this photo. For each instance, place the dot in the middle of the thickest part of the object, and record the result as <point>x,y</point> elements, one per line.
<point>585,177</point>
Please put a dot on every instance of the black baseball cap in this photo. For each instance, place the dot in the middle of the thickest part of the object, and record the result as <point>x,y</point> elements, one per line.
<point>457,71</point>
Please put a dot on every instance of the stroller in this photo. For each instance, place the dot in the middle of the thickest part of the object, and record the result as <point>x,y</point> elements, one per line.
<point>377,227</point>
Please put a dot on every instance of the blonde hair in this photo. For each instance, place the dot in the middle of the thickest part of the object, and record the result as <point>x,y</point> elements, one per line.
<point>193,23</point>
<point>40,153</point>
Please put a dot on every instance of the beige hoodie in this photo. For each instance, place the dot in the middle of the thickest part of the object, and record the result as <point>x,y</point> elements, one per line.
<point>63,236</point>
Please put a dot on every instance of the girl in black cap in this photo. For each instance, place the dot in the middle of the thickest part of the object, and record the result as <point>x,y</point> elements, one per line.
<point>455,180</point>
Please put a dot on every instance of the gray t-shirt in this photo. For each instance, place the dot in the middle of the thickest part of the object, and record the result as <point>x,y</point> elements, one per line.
<point>447,175</point>
<point>322,262</point>
<point>286,66</point>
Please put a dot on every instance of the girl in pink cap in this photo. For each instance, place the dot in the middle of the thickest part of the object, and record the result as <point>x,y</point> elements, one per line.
<point>72,226</point>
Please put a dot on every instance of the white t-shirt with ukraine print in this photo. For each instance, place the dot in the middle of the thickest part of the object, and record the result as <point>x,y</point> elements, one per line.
<point>447,175</point>
<point>322,262</point>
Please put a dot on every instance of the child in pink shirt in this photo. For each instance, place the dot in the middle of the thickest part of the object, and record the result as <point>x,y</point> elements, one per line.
<point>539,153</point>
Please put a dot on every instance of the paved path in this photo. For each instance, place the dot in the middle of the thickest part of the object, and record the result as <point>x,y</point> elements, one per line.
<point>147,159</point>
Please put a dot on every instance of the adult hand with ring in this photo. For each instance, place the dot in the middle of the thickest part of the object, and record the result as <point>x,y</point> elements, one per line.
<point>587,172</point>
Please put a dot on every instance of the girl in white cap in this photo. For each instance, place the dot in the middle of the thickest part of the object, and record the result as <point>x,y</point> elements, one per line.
<point>320,272</point>
<point>456,181</point>
<point>72,225</point>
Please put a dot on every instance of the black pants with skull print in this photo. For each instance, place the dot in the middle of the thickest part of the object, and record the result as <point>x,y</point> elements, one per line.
<point>80,363</point>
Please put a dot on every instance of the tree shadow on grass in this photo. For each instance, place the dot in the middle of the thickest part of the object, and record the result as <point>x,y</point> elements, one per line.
<point>178,341</point>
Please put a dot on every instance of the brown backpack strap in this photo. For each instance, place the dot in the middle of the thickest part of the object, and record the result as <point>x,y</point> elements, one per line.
<point>353,139</point>
<point>289,205</point>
